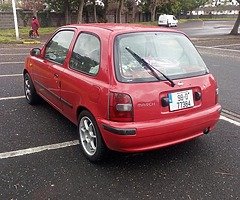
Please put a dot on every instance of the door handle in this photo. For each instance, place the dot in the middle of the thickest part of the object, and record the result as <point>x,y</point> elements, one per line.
<point>56,75</point>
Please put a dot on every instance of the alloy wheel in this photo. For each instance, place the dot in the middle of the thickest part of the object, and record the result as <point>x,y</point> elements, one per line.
<point>88,135</point>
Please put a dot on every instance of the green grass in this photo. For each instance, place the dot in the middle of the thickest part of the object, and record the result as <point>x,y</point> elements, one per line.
<point>154,23</point>
<point>9,35</point>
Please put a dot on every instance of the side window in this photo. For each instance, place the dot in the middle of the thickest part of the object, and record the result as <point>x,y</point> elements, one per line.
<point>57,47</point>
<point>86,54</point>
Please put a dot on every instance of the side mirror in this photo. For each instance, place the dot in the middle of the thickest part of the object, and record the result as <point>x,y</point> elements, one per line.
<point>35,52</point>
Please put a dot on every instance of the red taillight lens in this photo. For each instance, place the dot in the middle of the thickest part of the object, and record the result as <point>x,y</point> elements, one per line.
<point>120,107</point>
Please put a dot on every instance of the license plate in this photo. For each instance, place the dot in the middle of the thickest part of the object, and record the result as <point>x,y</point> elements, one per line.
<point>180,100</point>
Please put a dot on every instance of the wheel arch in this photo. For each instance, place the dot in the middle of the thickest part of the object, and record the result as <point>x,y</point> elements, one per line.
<point>79,110</point>
<point>83,108</point>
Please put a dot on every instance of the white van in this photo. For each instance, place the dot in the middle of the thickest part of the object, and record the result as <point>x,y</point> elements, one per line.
<point>167,20</point>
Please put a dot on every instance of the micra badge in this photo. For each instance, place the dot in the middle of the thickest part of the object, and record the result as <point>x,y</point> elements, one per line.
<point>180,83</point>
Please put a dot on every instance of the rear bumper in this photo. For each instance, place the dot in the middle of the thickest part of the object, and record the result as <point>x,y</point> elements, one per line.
<point>143,136</point>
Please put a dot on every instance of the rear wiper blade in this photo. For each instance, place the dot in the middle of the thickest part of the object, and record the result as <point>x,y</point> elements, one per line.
<point>144,63</point>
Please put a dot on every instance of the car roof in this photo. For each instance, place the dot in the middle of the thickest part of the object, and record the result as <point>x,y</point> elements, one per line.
<point>120,27</point>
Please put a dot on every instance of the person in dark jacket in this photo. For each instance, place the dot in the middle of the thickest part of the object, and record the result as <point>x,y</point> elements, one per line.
<point>35,26</point>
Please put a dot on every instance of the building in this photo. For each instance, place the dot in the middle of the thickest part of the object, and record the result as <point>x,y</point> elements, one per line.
<point>218,7</point>
<point>215,3</point>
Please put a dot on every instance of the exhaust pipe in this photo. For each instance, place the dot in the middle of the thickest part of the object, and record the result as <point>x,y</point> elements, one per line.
<point>206,130</point>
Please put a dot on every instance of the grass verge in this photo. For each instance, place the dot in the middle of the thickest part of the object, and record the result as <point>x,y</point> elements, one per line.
<point>8,36</point>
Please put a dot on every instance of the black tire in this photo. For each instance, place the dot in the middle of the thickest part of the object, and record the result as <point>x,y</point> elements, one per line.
<point>30,91</point>
<point>90,138</point>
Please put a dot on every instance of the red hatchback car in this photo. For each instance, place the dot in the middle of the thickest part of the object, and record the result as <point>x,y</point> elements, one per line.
<point>128,88</point>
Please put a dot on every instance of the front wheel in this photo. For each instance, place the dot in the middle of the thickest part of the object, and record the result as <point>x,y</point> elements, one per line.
<point>29,90</point>
<point>90,138</point>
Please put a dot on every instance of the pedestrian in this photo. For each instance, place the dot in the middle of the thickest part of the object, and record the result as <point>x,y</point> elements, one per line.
<point>35,26</point>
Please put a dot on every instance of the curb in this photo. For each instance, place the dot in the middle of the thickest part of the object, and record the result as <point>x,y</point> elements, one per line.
<point>31,42</point>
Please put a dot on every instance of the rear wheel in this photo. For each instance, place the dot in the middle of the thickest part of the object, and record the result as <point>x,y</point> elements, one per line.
<point>90,138</point>
<point>29,90</point>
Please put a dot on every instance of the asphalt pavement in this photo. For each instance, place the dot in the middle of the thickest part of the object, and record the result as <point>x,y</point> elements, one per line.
<point>40,157</point>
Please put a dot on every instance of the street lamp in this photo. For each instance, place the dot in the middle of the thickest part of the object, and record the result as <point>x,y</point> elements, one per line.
<point>15,19</point>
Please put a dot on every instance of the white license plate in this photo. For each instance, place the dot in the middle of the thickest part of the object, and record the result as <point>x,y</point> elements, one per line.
<point>180,100</point>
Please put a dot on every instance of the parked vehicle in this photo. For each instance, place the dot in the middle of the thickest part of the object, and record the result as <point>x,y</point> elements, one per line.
<point>167,20</point>
<point>128,88</point>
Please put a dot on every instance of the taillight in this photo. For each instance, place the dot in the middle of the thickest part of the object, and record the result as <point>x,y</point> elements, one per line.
<point>216,96</point>
<point>120,107</point>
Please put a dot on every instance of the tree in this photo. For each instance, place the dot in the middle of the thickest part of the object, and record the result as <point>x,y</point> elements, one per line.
<point>234,30</point>
<point>62,6</point>
<point>119,11</point>
<point>34,5</point>
<point>80,11</point>
<point>132,7</point>
<point>116,7</point>
<point>152,5</point>
<point>94,11</point>
<point>190,5</point>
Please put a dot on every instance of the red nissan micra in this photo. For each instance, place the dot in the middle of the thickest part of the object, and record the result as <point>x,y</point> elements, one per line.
<point>128,88</point>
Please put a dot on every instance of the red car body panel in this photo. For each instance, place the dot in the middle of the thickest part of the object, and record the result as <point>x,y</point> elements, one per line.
<point>154,126</point>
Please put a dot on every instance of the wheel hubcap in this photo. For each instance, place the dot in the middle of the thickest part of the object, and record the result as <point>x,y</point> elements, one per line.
<point>88,136</point>
<point>27,89</point>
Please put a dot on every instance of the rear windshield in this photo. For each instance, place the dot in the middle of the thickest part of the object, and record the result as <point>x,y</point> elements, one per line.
<point>171,53</point>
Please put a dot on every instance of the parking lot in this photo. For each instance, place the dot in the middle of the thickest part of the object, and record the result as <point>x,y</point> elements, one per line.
<point>40,157</point>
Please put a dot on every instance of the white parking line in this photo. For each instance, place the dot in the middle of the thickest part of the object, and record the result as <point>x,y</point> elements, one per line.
<point>16,48</point>
<point>28,151</point>
<point>14,54</point>
<point>226,45</point>
<point>10,75</point>
<point>10,98</point>
<point>230,120</point>
<point>9,63</point>
<point>229,50</point>
<point>38,149</point>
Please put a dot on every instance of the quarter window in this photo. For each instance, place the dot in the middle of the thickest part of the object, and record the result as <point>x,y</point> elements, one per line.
<point>86,54</point>
<point>58,46</point>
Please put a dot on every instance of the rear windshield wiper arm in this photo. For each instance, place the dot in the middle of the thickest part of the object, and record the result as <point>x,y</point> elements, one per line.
<point>149,66</point>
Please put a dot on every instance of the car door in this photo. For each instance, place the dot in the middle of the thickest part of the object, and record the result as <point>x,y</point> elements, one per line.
<point>80,85</point>
<point>48,74</point>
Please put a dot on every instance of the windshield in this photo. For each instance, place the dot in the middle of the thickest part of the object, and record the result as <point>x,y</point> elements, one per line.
<point>171,53</point>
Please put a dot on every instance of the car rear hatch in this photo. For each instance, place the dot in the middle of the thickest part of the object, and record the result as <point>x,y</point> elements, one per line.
<point>158,100</point>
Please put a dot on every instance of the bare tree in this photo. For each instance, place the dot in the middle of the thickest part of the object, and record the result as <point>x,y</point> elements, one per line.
<point>34,5</point>
<point>67,12</point>
<point>95,11</point>
<point>80,11</point>
<point>132,8</point>
<point>234,31</point>
<point>153,6</point>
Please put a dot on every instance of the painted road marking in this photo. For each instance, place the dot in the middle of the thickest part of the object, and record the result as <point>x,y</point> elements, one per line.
<point>15,48</point>
<point>14,54</point>
<point>64,144</point>
<point>230,120</point>
<point>38,149</point>
<point>9,63</point>
<point>10,98</point>
<point>10,75</point>
<point>226,45</point>
<point>214,48</point>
